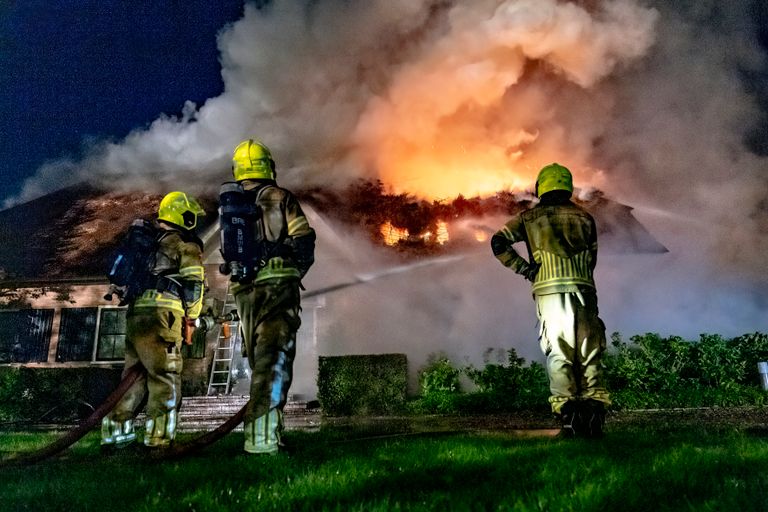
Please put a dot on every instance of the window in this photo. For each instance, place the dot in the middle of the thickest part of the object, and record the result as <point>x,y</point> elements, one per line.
<point>25,335</point>
<point>76,334</point>
<point>111,342</point>
<point>82,327</point>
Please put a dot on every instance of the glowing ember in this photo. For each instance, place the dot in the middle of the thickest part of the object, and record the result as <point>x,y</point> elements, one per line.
<point>481,236</point>
<point>392,234</point>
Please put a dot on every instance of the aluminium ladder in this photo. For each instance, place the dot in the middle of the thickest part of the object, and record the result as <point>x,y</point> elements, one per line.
<point>221,368</point>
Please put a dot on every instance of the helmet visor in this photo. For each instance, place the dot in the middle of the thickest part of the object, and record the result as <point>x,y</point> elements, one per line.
<point>194,206</point>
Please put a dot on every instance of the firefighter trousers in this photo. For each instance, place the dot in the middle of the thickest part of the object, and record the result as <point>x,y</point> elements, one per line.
<point>153,338</point>
<point>572,337</point>
<point>269,316</point>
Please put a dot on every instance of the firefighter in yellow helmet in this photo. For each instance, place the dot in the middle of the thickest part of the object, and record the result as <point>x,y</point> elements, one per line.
<point>268,246</point>
<point>561,242</point>
<point>160,265</point>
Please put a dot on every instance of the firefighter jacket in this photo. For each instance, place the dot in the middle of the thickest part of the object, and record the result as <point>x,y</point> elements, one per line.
<point>179,272</point>
<point>283,230</point>
<point>561,239</point>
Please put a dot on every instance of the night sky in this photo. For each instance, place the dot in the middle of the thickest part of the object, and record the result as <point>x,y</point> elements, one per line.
<point>77,70</point>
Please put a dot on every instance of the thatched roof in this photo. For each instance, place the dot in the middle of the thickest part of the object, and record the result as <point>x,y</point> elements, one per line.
<point>70,234</point>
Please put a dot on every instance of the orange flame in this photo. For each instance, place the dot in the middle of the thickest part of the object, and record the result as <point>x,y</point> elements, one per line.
<point>442,232</point>
<point>392,234</point>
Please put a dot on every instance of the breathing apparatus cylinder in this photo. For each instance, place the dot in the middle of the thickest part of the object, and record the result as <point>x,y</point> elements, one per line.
<point>131,270</point>
<point>237,219</point>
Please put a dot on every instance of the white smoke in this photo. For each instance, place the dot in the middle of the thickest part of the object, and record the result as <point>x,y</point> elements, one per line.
<point>340,90</point>
<point>643,100</point>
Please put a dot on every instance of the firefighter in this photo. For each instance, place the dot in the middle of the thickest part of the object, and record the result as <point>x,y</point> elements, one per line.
<point>158,318</point>
<point>561,242</point>
<point>267,294</point>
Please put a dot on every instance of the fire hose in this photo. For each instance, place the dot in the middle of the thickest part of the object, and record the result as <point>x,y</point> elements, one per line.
<point>74,435</point>
<point>206,322</point>
<point>133,373</point>
<point>179,450</point>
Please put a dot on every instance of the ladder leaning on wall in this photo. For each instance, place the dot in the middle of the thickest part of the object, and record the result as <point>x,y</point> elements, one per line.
<point>221,368</point>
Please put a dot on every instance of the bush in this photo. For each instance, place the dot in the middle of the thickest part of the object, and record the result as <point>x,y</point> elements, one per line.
<point>500,387</point>
<point>53,394</point>
<point>439,375</point>
<point>650,364</point>
<point>439,385</point>
<point>649,371</point>
<point>753,349</point>
<point>656,372</point>
<point>362,385</point>
<point>511,386</point>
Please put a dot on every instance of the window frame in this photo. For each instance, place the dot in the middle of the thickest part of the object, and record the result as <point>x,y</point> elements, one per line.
<point>97,335</point>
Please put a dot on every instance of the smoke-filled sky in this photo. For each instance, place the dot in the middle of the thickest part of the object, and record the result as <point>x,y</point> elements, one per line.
<point>661,104</point>
<point>435,97</point>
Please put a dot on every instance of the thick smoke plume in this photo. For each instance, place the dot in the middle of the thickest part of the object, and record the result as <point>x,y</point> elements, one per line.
<point>646,101</point>
<point>434,97</point>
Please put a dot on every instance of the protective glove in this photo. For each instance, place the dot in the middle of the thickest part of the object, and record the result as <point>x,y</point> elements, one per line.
<point>530,272</point>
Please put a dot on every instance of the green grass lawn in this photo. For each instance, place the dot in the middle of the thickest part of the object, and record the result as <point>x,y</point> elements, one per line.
<point>632,468</point>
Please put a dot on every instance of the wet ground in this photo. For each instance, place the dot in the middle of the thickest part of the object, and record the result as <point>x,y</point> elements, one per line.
<point>753,419</point>
<point>540,422</point>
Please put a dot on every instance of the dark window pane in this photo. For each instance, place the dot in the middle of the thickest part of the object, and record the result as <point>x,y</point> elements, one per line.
<point>112,321</point>
<point>111,345</point>
<point>25,335</point>
<point>76,334</point>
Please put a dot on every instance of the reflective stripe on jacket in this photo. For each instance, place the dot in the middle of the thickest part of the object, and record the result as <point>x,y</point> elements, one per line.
<point>561,239</point>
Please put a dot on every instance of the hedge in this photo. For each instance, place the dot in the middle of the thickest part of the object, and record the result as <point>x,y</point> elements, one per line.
<point>362,384</point>
<point>53,394</point>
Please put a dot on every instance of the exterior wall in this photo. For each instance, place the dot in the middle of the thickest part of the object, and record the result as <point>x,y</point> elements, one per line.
<point>78,296</point>
<point>196,373</point>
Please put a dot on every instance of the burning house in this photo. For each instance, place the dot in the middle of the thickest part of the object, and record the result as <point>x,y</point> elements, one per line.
<point>450,104</point>
<point>388,277</point>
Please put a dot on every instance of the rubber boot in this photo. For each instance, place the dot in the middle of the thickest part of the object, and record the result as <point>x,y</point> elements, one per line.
<point>116,434</point>
<point>160,430</point>
<point>262,436</point>
<point>570,420</point>
<point>592,414</point>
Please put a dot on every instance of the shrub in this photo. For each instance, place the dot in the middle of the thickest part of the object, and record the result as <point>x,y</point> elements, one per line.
<point>753,349</point>
<point>510,386</point>
<point>649,371</point>
<point>53,394</point>
<point>720,362</point>
<point>499,378</point>
<point>362,384</point>
<point>500,387</point>
<point>439,375</point>
<point>439,386</point>
<point>656,372</point>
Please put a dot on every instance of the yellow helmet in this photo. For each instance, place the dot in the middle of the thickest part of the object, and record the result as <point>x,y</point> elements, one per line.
<point>252,160</point>
<point>554,177</point>
<point>180,209</point>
